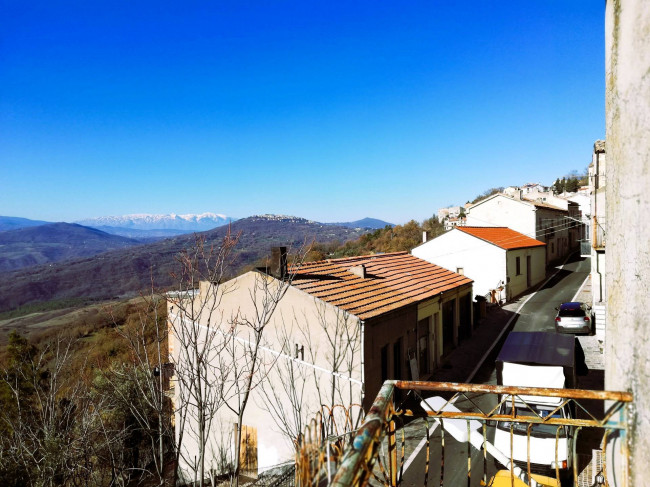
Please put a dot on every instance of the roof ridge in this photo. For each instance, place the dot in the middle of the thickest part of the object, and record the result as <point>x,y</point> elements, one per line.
<point>354,258</point>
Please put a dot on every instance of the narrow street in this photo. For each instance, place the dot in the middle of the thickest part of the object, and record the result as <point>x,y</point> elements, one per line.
<point>536,314</point>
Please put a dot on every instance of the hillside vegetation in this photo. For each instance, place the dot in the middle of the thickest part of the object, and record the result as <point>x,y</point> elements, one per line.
<point>123,273</point>
<point>400,238</point>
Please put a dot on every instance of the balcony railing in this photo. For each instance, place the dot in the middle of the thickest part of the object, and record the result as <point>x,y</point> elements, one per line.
<point>375,452</point>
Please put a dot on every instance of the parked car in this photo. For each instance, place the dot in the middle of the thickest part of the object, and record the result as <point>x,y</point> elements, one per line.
<point>574,317</point>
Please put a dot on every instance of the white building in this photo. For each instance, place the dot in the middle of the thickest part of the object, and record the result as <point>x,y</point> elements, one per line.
<point>502,263</point>
<point>449,212</point>
<point>597,183</point>
<point>454,222</point>
<point>541,221</point>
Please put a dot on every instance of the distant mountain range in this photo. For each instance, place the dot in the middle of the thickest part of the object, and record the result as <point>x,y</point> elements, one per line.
<point>158,223</point>
<point>54,242</point>
<point>127,271</point>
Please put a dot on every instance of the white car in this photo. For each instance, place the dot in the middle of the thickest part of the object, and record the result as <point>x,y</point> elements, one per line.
<point>574,317</point>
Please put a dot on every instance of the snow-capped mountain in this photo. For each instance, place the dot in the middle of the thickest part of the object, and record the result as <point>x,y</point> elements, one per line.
<point>142,221</point>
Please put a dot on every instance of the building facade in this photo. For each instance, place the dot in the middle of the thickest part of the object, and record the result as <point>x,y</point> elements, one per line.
<point>502,263</point>
<point>538,220</point>
<point>333,332</point>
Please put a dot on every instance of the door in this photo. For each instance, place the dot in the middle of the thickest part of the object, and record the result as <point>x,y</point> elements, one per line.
<point>423,346</point>
<point>464,316</point>
<point>528,272</point>
<point>448,320</point>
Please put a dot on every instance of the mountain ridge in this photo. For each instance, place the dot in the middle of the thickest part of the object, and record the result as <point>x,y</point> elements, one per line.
<point>54,242</point>
<point>170,221</point>
<point>125,272</point>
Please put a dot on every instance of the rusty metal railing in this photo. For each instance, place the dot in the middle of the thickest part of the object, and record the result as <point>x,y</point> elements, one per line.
<point>377,452</point>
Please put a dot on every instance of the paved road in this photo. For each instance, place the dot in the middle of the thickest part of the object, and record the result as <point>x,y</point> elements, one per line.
<point>539,312</point>
<point>536,315</point>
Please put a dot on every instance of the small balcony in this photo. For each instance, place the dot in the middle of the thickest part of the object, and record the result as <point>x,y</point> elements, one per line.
<point>445,434</point>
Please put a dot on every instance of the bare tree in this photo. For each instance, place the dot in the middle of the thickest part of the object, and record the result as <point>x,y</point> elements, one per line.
<point>139,385</point>
<point>244,348</point>
<point>197,341</point>
<point>217,348</point>
<point>50,421</point>
<point>323,376</point>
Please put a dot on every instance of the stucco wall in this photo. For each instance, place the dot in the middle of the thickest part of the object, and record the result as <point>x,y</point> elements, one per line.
<point>518,282</point>
<point>553,229</point>
<point>627,356</point>
<point>502,211</point>
<point>295,313</point>
<point>483,262</point>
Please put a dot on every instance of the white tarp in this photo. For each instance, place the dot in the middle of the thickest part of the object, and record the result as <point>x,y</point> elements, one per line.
<point>534,376</point>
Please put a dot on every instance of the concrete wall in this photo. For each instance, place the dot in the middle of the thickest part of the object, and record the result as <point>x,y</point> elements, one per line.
<point>502,211</point>
<point>483,262</point>
<point>627,350</point>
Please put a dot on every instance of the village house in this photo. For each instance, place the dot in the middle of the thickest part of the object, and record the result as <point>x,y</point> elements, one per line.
<point>341,328</point>
<point>598,230</point>
<point>449,212</point>
<point>454,222</point>
<point>502,263</point>
<point>536,219</point>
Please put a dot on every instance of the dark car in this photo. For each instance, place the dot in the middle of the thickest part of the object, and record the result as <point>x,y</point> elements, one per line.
<point>574,318</point>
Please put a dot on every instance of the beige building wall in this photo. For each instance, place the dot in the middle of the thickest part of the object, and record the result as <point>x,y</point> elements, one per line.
<point>519,283</point>
<point>627,348</point>
<point>553,229</point>
<point>302,318</point>
<point>298,316</point>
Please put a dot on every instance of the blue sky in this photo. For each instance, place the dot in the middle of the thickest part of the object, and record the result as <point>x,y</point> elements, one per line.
<point>328,110</point>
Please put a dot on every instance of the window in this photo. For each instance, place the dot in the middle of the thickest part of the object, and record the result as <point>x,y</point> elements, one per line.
<point>518,265</point>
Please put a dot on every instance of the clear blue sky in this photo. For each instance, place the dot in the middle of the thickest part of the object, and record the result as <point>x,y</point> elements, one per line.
<point>328,110</point>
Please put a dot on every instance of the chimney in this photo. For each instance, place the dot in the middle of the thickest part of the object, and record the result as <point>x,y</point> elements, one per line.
<point>279,262</point>
<point>359,270</point>
<point>518,194</point>
<point>425,235</point>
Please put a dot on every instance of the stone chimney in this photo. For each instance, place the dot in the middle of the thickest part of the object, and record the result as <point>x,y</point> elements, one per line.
<point>359,270</point>
<point>278,268</point>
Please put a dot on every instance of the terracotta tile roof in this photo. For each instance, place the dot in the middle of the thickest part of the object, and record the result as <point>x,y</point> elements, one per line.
<point>392,281</point>
<point>503,237</point>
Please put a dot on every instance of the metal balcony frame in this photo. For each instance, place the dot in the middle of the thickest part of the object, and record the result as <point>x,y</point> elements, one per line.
<point>358,460</point>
